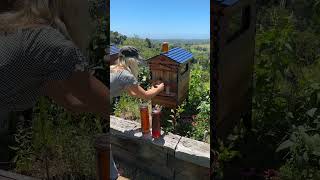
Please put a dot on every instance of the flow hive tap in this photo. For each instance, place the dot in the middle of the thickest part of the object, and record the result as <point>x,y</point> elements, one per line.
<point>171,66</point>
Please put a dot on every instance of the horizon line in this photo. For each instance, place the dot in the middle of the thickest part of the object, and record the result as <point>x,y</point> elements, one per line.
<point>193,36</point>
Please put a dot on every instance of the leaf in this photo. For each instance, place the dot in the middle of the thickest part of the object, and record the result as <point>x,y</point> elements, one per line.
<point>316,153</point>
<point>288,46</point>
<point>305,156</point>
<point>14,148</point>
<point>103,36</point>
<point>15,159</point>
<point>299,160</point>
<point>311,112</point>
<point>286,144</point>
<point>232,137</point>
<point>290,115</point>
<point>315,86</point>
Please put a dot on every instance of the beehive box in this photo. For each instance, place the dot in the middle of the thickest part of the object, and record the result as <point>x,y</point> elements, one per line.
<point>233,25</point>
<point>173,68</point>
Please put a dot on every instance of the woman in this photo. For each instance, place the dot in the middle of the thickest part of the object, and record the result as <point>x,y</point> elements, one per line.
<point>123,78</point>
<point>38,58</point>
<point>124,75</point>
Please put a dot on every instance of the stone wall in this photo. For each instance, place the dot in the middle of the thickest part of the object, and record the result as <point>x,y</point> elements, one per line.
<point>5,175</point>
<point>171,156</point>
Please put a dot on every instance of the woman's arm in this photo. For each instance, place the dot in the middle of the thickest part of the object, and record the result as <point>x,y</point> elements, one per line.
<point>56,91</point>
<point>82,92</point>
<point>138,91</point>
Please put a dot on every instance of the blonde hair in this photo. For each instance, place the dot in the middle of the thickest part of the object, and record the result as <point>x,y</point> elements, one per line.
<point>70,17</point>
<point>128,63</point>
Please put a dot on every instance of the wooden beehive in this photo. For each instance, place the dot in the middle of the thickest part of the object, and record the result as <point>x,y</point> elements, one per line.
<point>173,68</point>
<point>114,52</point>
<point>233,25</point>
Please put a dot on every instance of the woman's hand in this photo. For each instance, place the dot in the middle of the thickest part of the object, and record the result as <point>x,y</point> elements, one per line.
<point>82,92</point>
<point>138,91</point>
<point>156,82</point>
<point>159,86</point>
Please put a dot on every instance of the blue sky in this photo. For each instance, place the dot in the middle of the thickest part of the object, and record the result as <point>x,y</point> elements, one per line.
<point>161,19</point>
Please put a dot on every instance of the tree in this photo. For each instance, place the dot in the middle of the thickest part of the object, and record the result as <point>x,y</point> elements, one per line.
<point>149,43</point>
<point>117,38</point>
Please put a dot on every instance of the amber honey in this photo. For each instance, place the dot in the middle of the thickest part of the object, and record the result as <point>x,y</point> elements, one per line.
<point>144,115</point>
<point>156,127</point>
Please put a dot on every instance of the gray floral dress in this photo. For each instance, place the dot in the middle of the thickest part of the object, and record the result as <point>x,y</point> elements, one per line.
<point>119,81</point>
<point>28,58</point>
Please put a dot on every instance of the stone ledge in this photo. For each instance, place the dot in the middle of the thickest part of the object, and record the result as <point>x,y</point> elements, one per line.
<point>6,175</point>
<point>193,151</point>
<point>127,138</point>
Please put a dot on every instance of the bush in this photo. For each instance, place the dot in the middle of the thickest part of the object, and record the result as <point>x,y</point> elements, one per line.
<point>127,108</point>
<point>201,124</point>
<point>303,153</point>
<point>59,143</point>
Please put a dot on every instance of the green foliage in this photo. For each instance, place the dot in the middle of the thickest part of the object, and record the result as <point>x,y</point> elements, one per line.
<point>59,143</point>
<point>224,154</point>
<point>201,123</point>
<point>286,86</point>
<point>144,77</point>
<point>143,47</point>
<point>180,120</point>
<point>174,117</point>
<point>127,108</point>
<point>303,151</point>
<point>283,97</point>
<point>24,153</point>
<point>99,37</point>
<point>117,38</point>
<point>201,52</point>
<point>199,87</point>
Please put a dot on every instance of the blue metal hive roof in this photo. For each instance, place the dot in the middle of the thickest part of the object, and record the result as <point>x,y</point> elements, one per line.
<point>227,2</point>
<point>178,54</point>
<point>114,50</point>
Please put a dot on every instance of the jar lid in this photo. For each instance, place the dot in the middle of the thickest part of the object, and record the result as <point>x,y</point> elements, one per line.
<point>156,110</point>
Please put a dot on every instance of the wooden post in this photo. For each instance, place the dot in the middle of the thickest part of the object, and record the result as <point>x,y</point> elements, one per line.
<point>233,62</point>
<point>102,145</point>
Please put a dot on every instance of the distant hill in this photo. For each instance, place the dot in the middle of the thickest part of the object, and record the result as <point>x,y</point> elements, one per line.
<point>183,41</point>
<point>118,38</point>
